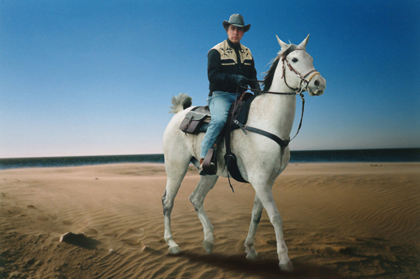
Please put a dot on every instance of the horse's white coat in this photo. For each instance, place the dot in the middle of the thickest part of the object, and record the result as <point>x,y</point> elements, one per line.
<point>259,158</point>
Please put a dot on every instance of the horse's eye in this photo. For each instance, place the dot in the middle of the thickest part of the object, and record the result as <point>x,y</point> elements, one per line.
<point>294,60</point>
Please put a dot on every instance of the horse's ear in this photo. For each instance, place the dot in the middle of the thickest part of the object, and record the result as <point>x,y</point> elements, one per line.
<point>282,44</point>
<point>304,42</point>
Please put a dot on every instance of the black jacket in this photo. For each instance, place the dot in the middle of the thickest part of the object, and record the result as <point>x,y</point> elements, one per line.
<point>226,61</point>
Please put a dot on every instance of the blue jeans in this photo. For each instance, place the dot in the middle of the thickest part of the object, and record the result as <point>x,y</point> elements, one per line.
<point>219,104</point>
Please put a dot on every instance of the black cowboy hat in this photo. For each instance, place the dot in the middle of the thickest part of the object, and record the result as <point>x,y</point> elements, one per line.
<point>236,20</point>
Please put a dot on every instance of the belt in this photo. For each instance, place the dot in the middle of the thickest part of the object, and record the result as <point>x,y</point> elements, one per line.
<point>211,92</point>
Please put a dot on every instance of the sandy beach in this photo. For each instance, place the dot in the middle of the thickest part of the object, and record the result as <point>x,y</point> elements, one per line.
<point>341,220</point>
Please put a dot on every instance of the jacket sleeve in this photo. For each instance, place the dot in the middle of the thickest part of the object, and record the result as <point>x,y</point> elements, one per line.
<point>215,73</point>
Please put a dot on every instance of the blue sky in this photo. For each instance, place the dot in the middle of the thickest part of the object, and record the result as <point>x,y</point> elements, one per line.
<point>96,77</point>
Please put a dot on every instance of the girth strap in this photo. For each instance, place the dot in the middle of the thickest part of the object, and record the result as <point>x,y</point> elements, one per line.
<point>230,158</point>
<point>279,141</point>
<point>282,143</point>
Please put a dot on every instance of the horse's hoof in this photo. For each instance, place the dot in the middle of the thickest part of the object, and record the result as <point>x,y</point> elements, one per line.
<point>208,246</point>
<point>287,266</point>
<point>174,250</point>
<point>252,255</point>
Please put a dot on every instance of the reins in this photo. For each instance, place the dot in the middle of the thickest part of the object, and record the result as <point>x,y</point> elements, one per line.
<point>230,159</point>
<point>281,142</point>
<point>298,91</point>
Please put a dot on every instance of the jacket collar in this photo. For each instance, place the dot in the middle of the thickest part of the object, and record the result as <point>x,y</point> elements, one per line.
<point>234,46</point>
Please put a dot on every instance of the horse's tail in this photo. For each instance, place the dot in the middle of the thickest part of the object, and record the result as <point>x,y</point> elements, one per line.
<point>180,102</point>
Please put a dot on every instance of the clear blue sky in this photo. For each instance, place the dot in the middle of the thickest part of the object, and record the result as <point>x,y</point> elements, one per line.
<point>96,77</point>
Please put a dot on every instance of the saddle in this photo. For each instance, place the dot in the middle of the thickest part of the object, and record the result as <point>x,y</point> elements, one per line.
<point>197,120</point>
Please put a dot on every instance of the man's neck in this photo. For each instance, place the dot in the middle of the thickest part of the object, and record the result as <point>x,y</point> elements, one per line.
<point>233,45</point>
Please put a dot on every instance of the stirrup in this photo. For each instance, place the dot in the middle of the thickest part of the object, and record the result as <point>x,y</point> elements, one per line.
<point>207,165</point>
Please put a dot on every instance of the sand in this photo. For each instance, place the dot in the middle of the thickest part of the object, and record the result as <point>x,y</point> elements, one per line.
<point>344,220</point>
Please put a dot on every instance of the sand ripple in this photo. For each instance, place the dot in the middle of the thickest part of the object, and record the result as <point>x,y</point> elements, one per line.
<point>340,221</point>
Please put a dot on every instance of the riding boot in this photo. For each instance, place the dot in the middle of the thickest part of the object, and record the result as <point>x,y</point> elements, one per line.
<point>207,165</point>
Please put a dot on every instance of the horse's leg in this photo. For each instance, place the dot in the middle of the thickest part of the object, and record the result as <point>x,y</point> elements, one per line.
<point>197,198</point>
<point>251,253</point>
<point>264,193</point>
<point>176,171</point>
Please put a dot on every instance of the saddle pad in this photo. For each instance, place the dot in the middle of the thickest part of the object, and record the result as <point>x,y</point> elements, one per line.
<point>242,115</point>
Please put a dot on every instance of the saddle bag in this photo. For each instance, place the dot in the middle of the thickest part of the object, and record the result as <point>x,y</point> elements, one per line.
<point>194,121</point>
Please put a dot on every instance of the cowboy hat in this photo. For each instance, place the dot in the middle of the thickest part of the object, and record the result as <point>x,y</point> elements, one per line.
<point>236,20</point>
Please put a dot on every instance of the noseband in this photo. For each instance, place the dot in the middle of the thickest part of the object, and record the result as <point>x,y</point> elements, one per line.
<point>311,74</point>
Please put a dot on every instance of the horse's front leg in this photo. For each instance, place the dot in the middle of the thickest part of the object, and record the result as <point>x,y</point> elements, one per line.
<point>197,199</point>
<point>264,193</point>
<point>251,253</point>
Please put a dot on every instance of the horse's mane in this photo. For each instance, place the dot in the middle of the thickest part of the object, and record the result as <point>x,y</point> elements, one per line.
<point>269,75</point>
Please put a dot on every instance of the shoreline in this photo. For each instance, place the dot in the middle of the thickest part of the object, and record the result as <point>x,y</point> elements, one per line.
<point>297,156</point>
<point>370,163</point>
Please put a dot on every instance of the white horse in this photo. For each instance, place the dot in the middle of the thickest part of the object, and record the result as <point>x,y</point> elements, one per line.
<point>260,159</point>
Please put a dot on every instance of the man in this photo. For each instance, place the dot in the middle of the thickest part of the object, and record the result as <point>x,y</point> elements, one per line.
<point>230,69</point>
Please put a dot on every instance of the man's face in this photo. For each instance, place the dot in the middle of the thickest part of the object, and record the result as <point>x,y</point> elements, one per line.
<point>235,34</point>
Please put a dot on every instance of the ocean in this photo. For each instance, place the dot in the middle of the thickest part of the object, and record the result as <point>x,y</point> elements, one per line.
<point>317,156</point>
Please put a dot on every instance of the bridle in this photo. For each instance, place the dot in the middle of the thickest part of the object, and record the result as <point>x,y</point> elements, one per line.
<point>303,78</point>
<point>230,158</point>
<point>297,91</point>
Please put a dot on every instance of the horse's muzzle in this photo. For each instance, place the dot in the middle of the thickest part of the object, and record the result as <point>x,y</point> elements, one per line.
<point>316,86</point>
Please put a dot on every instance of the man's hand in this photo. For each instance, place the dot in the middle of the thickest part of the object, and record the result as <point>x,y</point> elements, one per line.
<point>240,80</point>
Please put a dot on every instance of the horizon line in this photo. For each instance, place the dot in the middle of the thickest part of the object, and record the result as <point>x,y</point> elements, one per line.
<point>159,154</point>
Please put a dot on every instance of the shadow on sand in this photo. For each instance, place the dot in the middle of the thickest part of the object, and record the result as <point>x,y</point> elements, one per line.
<point>260,268</point>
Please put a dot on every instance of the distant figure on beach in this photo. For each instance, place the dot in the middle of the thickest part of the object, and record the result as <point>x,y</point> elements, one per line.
<point>230,68</point>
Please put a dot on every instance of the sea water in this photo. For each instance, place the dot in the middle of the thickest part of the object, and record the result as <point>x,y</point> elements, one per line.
<point>317,156</point>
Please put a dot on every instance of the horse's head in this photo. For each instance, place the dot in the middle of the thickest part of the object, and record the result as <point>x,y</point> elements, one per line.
<point>298,70</point>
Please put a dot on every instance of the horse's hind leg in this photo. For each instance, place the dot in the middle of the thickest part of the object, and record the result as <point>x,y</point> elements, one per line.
<point>197,199</point>
<point>251,253</point>
<point>176,171</point>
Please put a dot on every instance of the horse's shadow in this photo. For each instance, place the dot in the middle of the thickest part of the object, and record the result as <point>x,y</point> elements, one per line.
<point>260,268</point>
